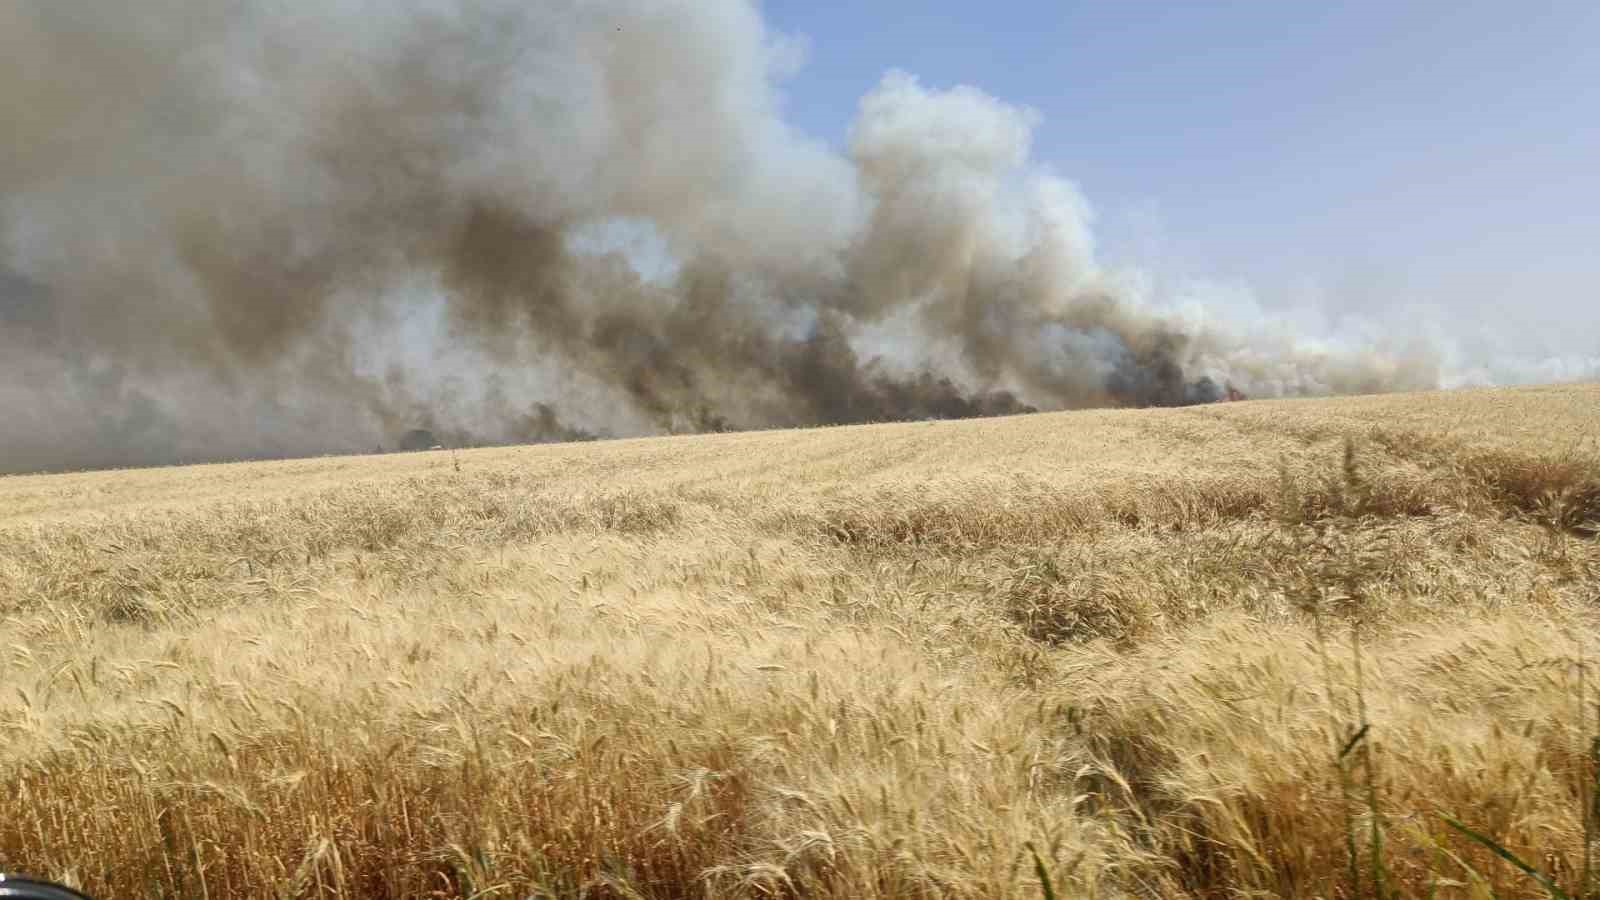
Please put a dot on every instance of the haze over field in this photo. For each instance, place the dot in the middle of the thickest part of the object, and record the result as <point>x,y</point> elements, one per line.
<point>263,229</point>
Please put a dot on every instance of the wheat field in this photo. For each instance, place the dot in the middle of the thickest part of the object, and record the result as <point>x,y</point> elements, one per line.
<point>1254,649</point>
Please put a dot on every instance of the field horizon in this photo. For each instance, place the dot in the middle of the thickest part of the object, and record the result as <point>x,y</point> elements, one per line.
<point>1267,648</point>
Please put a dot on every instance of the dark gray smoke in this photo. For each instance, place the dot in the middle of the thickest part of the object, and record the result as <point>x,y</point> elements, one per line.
<point>254,229</point>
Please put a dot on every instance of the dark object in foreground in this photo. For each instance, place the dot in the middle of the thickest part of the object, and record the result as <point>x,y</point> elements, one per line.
<point>18,887</point>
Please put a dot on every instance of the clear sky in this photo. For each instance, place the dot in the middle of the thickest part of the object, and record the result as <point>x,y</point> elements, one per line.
<point>1369,152</point>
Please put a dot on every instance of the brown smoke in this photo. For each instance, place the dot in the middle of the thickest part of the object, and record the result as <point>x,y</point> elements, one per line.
<point>256,229</point>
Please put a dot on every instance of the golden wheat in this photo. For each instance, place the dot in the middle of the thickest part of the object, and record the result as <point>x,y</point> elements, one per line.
<point>873,661</point>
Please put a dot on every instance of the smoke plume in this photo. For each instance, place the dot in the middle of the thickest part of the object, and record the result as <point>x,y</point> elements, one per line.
<point>252,229</point>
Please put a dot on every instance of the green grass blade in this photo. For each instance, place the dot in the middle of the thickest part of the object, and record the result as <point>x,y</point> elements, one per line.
<point>1043,873</point>
<point>1509,857</point>
<point>1354,740</point>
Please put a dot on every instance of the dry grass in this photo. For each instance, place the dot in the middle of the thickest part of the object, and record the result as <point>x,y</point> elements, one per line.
<point>854,662</point>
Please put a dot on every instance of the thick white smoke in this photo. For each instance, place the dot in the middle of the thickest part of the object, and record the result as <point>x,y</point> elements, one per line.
<point>261,228</point>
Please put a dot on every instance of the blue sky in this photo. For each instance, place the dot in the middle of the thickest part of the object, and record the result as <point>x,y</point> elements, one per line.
<point>1377,153</point>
